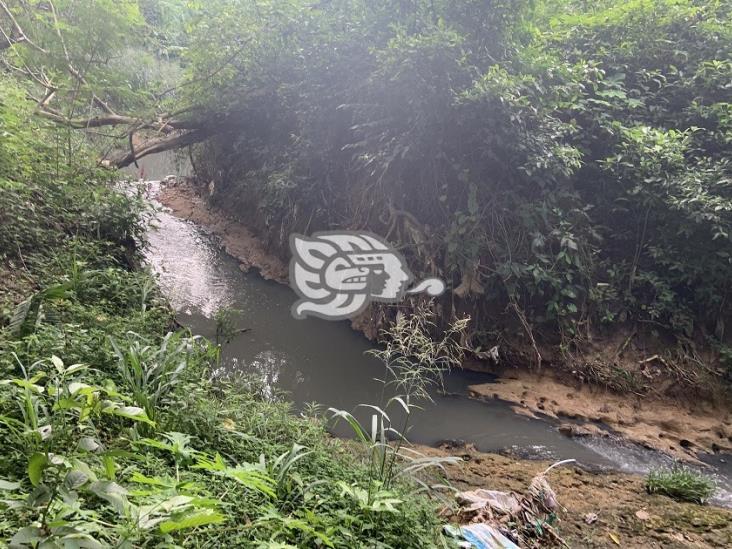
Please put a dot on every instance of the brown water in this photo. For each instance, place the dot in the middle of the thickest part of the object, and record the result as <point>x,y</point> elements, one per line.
<point>325,362</point>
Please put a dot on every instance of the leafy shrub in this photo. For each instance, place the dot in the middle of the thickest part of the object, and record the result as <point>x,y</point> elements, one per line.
<point>50,194</point>
<point>152,371</point>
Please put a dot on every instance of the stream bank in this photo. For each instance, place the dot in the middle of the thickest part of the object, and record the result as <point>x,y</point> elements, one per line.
<point>598,509</point>
<point>674,428</point>
<point>198,278</point>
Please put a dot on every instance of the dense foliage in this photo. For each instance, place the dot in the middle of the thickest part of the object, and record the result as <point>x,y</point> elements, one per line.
<point>112,432</point>
<point>564,164</point>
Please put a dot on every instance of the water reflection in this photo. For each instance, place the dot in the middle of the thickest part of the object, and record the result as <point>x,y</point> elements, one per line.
<point>187,275</point>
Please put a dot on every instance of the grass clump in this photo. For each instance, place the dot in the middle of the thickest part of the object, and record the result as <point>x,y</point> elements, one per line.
<point>681,484</point>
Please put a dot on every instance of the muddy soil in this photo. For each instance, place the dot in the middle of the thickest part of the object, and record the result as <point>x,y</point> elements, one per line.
<point>626,516</point>
<point>679,429</point>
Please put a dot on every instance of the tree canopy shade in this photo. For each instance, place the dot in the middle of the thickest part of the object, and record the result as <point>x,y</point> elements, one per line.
<point>563,163</point>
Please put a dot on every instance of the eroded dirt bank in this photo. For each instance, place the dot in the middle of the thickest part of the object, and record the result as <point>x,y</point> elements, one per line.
<point>675,428</point>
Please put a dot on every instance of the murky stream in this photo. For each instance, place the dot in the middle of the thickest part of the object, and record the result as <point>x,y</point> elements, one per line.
<point>325,362</point>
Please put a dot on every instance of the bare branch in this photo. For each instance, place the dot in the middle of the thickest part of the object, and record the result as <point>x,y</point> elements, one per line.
<point>22,37</point>
<point>82,123</point>
<point>165,131</point>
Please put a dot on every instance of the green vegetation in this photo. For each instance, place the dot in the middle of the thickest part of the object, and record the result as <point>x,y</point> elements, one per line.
<point>413,362</point>
<point>113,434</point>
<point>680,483</point>
<point>565,165</point>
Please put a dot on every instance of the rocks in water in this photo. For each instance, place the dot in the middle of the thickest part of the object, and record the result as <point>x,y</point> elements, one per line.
<point>575,430</point>
<point>452,444</point>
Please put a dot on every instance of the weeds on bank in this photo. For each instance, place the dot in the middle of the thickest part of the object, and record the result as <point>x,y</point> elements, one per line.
<point>680,483</point>
<point>414,364</point>
<point>137,446</point>
<point>114,434</point>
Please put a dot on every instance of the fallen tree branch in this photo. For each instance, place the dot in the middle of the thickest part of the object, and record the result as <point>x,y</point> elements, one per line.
<point>161,124</point>
<point>163,131</point>
<point>157,145</point>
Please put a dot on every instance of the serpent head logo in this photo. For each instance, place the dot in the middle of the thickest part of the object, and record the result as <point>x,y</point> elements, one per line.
<point>337,274</point>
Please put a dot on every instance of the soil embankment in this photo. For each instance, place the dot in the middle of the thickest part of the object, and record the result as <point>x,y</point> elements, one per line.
<point>674,428</point>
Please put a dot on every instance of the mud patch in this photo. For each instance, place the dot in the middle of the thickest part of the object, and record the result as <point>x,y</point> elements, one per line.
<point>679,429</point>
<point>624,511</point>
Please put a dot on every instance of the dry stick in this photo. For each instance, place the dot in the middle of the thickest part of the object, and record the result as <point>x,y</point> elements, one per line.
<point>20,255</point>
<point>624,345</point>
<point>558,464</point>
<point>519,313</point>
<point>527,328</point>
<point>22,36</point>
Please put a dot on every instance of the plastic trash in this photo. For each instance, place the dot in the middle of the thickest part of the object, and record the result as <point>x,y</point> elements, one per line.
<point>502,502</point>
<point>480,536</point>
